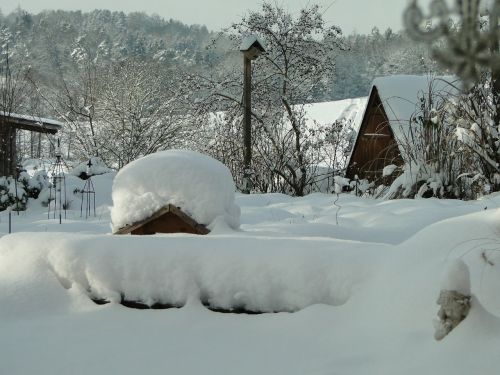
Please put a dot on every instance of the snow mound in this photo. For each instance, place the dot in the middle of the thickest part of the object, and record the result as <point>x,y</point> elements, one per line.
<point>201,186</point>
<point>457,278</point>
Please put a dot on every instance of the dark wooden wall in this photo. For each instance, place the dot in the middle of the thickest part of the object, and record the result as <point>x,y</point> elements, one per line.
<point>8,147</point>
<point>375,146</point>
<point>8,154</point>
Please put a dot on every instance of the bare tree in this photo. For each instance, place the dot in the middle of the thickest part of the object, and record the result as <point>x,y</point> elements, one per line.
<point>73,98</point>
<point>298,63</point>
<point>138,111</point>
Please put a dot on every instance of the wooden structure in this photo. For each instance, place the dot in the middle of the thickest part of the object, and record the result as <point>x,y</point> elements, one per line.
<point>375,146</point>
<point>10,123</point>
<point>251,47</point>
<point>169,219</point>
<point>387,132</point>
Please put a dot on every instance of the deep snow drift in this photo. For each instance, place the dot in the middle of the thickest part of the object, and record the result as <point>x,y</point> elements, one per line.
<point>356,281</point>
<point>200,185</point>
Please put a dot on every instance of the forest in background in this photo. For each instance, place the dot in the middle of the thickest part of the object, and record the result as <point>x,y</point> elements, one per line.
<point>52,42</point>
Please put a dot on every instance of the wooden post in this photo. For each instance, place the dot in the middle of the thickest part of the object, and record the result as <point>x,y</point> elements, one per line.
<point>247,125</point>
<point>495,49</point>
<point>251,48</point>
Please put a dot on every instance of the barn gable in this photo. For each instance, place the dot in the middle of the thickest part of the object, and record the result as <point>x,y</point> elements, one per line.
<point>375,143</point>
<point>387,129</point>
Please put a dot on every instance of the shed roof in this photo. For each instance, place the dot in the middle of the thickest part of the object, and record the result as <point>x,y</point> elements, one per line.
<point>33,123</point>
<point>400,95</point>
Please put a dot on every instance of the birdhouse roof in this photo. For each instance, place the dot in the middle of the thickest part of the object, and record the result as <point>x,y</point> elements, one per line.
<point>251,41</point>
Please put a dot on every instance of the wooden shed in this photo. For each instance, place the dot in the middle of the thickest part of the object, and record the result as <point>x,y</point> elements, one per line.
<point>169,219</point>
<point>386,132</point>
<point>10,123</point>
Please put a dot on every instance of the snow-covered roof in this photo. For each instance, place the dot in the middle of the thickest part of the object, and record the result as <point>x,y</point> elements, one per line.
<point>201,186</point>
<point>33,121</point>
<point>249,40</point>
<point>350,110</point>
<point>400,95</point>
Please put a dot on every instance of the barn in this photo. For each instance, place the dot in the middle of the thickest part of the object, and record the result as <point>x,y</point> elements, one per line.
<point>386,131</point>
<point>10,123</point>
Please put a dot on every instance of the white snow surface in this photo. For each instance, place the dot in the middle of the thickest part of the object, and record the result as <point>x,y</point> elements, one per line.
<point>353,282</point>
<point>200,185</point>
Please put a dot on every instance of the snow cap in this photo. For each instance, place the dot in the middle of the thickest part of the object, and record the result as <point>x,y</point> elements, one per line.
<point>250,40</point>
<point>457,278</point>
<point>201,186</point>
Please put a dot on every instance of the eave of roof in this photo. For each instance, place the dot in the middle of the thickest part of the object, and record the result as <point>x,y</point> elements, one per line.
<point>33,123</point>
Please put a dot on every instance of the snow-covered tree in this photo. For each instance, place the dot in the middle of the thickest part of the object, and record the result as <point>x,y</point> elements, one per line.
<point>297,66</point>
<point>138,111</point>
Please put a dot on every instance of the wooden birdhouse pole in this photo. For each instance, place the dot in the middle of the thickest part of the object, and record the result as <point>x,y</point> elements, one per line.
<point>251,49</point>
<point>247,124</point>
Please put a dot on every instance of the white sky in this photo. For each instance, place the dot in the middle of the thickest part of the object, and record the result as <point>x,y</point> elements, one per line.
<point>350,15</point>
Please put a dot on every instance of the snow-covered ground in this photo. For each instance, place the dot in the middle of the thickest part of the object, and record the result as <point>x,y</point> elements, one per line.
<point>349,286</point>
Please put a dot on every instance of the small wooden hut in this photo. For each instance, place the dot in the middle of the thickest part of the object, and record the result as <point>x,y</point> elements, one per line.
<point>386,132</point>
<point>10,123</point>
<point>169,219</point>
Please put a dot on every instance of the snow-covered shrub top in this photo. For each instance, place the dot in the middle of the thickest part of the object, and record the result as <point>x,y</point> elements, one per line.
<point>201,186</point>
<point>98,167</point>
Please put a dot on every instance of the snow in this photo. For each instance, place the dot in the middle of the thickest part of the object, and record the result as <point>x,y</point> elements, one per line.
<point>457,277</point>
<point>349,110</point>
<point>389,170</point>
<point>200,185</point>
<point>353,298</point>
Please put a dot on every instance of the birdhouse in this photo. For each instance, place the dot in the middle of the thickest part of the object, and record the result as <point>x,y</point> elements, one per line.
<point>252,47</point>
<point>169,219</point>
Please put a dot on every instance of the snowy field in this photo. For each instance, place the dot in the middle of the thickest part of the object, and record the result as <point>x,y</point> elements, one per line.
<point>345,287</point>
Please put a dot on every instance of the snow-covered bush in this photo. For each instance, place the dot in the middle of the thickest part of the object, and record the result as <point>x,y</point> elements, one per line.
<point>83,171</point>
<point>446,153</point>
<point>358,187</point>
<point>432,157</point>
<point>201,186</point>
<point>476,128</point>
<point>12,194</point>
<point>15,193</point>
